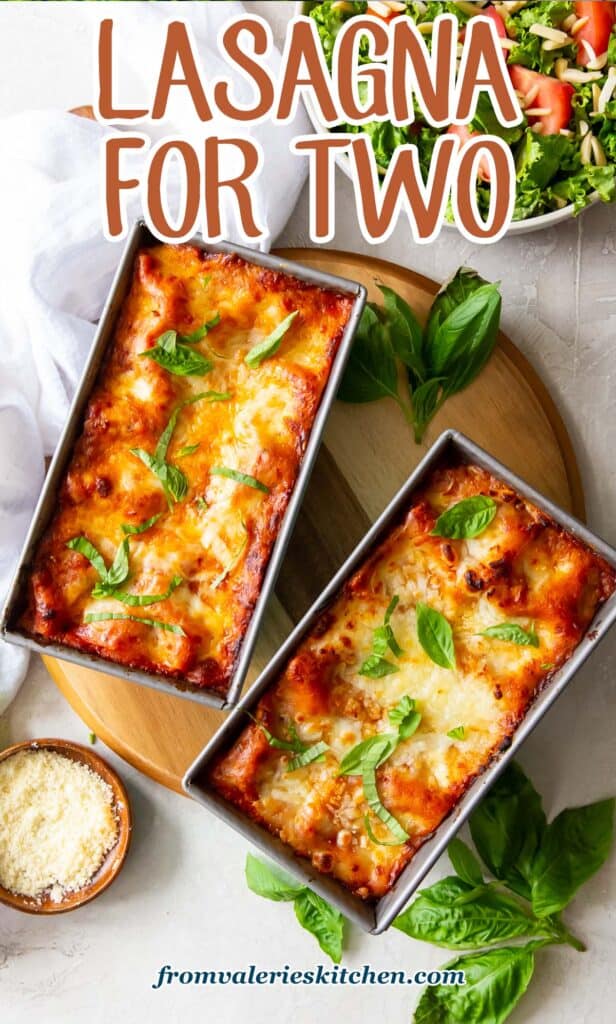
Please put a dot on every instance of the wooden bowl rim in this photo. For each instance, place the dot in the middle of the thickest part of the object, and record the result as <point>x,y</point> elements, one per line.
<point>116,856</point>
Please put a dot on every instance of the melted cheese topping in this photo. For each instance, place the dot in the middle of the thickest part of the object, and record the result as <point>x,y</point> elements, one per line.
<point>218,538</point>
<point>523,568</point>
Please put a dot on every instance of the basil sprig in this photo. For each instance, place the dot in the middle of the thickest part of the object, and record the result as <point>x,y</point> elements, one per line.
<point>174,353</point>
<point>435,636</point>
<point>512,633</point>
<point>376,665</point>
<point>439,360</point>
<point>542,865</point>
<point>172,479</point>
<point>312,911</point>
<point>270,345</point>
<point>305,753</point>
<point>111,580</point>
<point>467,518</point>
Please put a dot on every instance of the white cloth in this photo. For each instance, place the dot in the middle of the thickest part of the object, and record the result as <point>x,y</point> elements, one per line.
<point>55,265</point>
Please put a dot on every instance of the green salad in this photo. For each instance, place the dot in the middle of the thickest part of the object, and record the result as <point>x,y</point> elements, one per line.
<point>562,61</point>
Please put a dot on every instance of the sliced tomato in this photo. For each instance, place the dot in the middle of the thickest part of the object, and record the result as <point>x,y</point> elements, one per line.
<point>553,95</point>
<point>499,24</point>
<point>464,134</point>
<point>596,32</point>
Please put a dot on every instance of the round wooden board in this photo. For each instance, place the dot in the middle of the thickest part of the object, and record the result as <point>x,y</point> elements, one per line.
<point>367,454</point>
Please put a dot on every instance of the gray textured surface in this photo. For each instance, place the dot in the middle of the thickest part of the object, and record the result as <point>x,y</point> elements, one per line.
<point>559,289</point>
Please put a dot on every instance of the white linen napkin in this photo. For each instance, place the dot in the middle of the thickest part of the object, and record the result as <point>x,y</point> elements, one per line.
<point>55,265</point>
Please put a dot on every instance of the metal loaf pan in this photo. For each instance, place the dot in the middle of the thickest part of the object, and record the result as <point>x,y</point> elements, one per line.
<point>139,237</point>
<point>377,916</point>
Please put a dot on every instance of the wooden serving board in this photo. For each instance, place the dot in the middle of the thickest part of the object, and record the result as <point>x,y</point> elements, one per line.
<point>367,454</point>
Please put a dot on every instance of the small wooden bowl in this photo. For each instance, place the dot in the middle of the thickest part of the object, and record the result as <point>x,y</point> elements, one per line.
<point>113,861</point>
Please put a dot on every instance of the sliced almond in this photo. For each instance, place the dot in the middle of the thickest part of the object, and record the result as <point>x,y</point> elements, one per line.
<point>426,28</point>
<point>607,91</point>
<point>553,34</point>
<point>598,152</point>
<point>577,25</point>
<point>584,128</point>
<point>531,96</point>
<point>577,77</point>
<point>586,149</point>
<point>378,7</point>
<point>596,96</point>
<point>568,134</point>
<point>590,52</point>
<point>560,65</point>
<point>537,111</point>
<point>598,63</point>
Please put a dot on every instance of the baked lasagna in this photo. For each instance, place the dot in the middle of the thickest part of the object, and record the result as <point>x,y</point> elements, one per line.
<point>191,444</point>
<point>413,679</point>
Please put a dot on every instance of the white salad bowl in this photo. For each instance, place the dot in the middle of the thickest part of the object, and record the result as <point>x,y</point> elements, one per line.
<point>517,227</point>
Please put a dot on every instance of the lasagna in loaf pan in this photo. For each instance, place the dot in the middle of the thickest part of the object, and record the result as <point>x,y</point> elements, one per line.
<point>413,678</point>
<point>187,456</point>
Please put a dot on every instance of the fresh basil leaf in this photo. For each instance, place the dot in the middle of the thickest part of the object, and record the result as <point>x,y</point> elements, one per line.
<point>371,371</point>
<point>270,345</point>
<point>457,733</point>
<point>187,449</point>
<point>435,636</point>
<point>322,921</point>
<point>174,483</point>
<point>271,882</point>
<point>405,717</point>
<point>240,478</point>
<point>376,667</point>
<point>104,616</point>
<point>467,335</point>
<point>314,753</point>
<point>373,800</point>
<point>464,862</point>
<point>507,829</point>
<point>85,548</point>
<point>369,753</point>
<point>512,633</point>
<point>494,982</point>
<point>118,573</point>
<point>405,331</point>
<point>464,283</point>
<point>488,918</point>
<point>294,745</point>
<point>380,842</point>
<point>467,518</point>
<point>137,600</point>
<point>178,359</point>
<point>427,400</point>
<point>574,846</point>
<point>129,529</point>
<point>200,333</point>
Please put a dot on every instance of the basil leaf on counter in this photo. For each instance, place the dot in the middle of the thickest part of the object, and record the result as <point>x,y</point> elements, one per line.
<point>322,921</point>
<point>435,636</point>
<point>270,882</point>
<point>511,633</point>
<point>310,756</point>
<point>85,548</point>
<point>573,847</point>
<point>270,345</point>
<point>457,733</point>
<point>240,478</point>
<point>464,862</point>
<point>371,371</point>
<point>104,616</point>
<point>405,717</point>
<point>467,518</point>
<point>128,528</point>
<point>482,918</point>
<point>507,829</point>
<point>405,332</point>
<point>178,359</point>
<point>494,983</point>
<point>312,911</point>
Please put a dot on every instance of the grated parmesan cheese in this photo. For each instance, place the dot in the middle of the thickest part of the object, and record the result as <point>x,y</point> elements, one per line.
<point>57,823</point>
